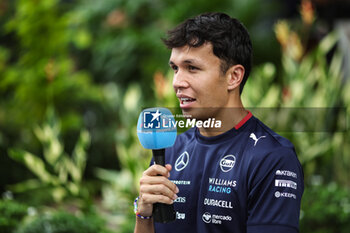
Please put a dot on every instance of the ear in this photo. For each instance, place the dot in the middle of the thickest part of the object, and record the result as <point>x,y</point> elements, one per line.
<point>234,76</point>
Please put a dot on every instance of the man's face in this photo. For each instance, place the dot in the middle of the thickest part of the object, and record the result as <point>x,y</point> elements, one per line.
<point>198,81</point>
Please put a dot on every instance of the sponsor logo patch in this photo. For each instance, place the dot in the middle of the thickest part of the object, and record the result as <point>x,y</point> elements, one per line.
<point>181,182</point>
<point>218,203</point>
<point>206,217</point>
<point>285,195</point>
<point>180,200</point>
<point>180,215</point>
<point>223,182</point>
<point>221,185</point>
<point>227,163</point>
<point>255,138</point>
<point>182,161</point>
<point>219,189</point>
<point>215,218</point>
<point>286,173</point>
<point>286,184</point>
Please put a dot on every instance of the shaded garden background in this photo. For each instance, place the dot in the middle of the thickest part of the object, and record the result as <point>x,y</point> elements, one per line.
<point>74,75</point>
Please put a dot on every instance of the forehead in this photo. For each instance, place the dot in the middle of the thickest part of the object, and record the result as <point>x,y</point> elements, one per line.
<point>202,55</point>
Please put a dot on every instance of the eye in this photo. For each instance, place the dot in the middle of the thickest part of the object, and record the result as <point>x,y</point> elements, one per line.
<point>174,67</point>
<point>192,68</point>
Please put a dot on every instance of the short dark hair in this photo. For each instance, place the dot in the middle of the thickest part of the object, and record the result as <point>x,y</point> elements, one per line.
<point>229,38</point>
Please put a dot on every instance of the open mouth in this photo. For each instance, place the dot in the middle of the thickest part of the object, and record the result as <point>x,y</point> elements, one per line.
<point>185,101</point>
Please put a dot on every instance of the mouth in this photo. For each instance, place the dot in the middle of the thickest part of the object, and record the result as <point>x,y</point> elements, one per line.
<point>186,102</point>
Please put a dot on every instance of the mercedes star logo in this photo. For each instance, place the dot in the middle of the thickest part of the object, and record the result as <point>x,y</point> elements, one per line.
<point>182,161</point>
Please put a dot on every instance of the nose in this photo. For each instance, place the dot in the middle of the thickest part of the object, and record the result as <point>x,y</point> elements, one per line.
<point>180,80</point>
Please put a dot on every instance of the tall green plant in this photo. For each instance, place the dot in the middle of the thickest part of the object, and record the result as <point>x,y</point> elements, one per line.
<point>311,110</point>
<point>306,104</point>
<point>39,67</point>
<point>40,71</point>
<point>59,174</point>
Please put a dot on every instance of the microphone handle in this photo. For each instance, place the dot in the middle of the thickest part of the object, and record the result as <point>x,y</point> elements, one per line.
<point>162,213</point>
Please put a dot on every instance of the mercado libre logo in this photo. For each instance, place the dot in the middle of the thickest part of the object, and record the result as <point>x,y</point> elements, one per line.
<point>157,120</point>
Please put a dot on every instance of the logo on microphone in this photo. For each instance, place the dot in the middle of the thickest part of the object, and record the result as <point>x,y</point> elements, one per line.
<point>182,161</point>
<point>151,119</point>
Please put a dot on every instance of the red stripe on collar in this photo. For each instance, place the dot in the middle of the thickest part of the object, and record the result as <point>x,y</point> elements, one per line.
<point>244,120</point>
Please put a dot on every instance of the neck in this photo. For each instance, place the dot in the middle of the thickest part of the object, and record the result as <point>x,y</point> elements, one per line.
<point>229,117</point>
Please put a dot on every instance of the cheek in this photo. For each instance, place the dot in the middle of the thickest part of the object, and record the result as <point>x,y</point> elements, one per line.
<point>214,93</point>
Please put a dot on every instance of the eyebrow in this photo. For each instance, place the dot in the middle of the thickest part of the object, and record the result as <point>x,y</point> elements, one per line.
<point>188,61</point>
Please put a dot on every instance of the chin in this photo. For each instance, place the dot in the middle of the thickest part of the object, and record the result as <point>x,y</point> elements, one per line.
<point>196,113</point>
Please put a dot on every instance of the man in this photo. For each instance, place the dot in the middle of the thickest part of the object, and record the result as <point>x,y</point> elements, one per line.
<point>241,178</point>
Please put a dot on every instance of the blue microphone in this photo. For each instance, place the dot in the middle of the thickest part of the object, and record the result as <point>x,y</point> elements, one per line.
<point>156,130</point>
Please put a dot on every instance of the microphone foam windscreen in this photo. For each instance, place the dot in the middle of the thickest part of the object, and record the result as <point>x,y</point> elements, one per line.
<point>156,128</point>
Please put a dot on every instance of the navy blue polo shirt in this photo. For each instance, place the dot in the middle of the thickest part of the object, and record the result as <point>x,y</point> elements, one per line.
<point>248,179</point>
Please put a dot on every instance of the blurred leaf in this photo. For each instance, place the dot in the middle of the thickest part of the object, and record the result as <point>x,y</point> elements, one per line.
<point>328,43</point>
<point>58,193</point>
<point>35,164</point>
<point>53,148</point>
<point>79,153</point>
<point>60,173</point>
<point>132,98</point>
<point>26,185</point>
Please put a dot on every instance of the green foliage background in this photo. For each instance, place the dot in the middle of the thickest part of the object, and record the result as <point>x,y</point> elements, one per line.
<point>75,74</point>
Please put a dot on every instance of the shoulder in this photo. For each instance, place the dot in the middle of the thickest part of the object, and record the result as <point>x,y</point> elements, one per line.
<point>264,141</point>
<point>274,182</point>
<point>267,148</point>
<point>267,152</point>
